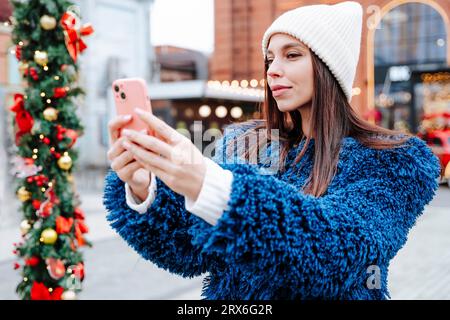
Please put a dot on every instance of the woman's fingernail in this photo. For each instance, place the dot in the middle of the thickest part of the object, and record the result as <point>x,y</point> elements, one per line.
<point>138,111</point>
<point>127,117</point>
<point>126,132</point>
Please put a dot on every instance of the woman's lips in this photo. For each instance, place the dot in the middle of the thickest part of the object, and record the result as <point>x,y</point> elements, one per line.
<point>280,91</point>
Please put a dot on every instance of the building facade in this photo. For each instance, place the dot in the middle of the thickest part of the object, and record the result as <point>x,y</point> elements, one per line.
<point>398,38</point>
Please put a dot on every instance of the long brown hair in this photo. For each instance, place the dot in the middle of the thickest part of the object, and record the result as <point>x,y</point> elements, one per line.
<point>332,119</point>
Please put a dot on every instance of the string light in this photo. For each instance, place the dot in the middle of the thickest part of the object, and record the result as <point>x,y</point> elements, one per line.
<point>49,101</point>
<point>42,94</point>
<point>244,83</point>
<point>43,189</point>
<point>50,184</point>
<point>35,150</point>
<point>25,279</point>
<point>34,156</point>
<point>41,136</point>
<point>20,43</point>
<point>56,77</point>
<point>254,83</point>
<point>45,68</point>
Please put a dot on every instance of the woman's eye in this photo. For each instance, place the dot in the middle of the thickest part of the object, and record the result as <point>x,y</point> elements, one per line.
<point>268,62</point>
<point>292,55</point>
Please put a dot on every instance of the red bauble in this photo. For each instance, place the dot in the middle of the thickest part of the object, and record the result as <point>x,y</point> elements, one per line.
<point>57,155</point>
<point>59,92</point>
<point>46,141</point>
<point>73,135</point>
<point>30,180</point>
<point>16,266</point>
<point>59,136</point>
<point>36,204</point>
<point>32,72</point>
<point>32,261</point>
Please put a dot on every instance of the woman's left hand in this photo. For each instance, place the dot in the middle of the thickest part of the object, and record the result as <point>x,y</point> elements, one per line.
<point>171,157</point>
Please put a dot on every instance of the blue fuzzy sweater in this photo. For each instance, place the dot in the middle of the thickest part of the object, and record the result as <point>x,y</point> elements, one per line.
<point>275,242</point>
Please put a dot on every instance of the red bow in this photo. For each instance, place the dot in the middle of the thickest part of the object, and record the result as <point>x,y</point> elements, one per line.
<point>40,292</point>
<point>80,228</point>
<point>74,42</point>
<point>24,119</point>
<point>63,225</point>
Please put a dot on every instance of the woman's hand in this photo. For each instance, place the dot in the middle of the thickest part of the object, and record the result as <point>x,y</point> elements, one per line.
<point>170,155</point>
<point>122,162</point>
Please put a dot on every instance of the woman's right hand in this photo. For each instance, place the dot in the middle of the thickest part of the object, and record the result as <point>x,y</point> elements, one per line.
<point>123,163</point>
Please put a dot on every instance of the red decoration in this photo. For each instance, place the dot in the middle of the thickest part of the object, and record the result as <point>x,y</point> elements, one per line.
<point>46,140</point>
<point>32,72</point>
<point>24,119</point>
<point>63,225</point>
<point>36,204</point>
<point>78,271</point>
<point>45,210</point>
<point>59,92</point>
<point>40,292</point>
<point>60,131</point>
<point>73,135</point>
<point>55,268</point>
<point>80,227</point>
<point>16,266</point>
<point>78,214</point>
<point>74,42</point>
<point>32,261</point>
<point>18,53</point>
<point>30,180</point>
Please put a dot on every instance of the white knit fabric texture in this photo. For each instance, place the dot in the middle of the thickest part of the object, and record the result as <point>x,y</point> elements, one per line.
<point>332,32</point>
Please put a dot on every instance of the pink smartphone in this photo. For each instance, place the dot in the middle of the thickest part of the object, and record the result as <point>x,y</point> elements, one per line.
<point>129,94</point>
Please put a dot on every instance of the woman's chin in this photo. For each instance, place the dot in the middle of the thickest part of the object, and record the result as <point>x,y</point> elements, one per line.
<point>285,107</point>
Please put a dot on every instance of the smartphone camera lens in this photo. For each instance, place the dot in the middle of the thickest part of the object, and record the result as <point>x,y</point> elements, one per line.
<point>122,95</point>
<point>116,87</point>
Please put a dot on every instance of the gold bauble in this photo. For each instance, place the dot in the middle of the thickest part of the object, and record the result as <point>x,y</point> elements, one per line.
<point>22,67</point>
<point>23,194</point>
<point>25,226</point>
<point>50,114</point>
<point>49,236</point>
<point>65,162</point>
<point>68,295</point>
<point>41,57</point>
<point>48,22</point>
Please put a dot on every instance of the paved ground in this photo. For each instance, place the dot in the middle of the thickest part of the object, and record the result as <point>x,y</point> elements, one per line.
<point>114,271</point>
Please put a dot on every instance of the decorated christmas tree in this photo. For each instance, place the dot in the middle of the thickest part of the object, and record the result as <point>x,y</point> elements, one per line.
<point>48,35</point>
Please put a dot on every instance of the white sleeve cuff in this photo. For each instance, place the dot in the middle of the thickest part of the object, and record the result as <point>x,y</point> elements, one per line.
<point>134,203</point>
<point>214,194</point>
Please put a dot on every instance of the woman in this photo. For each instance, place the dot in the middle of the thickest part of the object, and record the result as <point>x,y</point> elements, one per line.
<point>325,226</point>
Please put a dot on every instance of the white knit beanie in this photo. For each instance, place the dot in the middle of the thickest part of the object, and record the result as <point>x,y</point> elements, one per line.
<point>332,32</point>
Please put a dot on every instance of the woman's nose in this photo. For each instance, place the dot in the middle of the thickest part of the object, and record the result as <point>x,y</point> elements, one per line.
<point>274,70</point>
